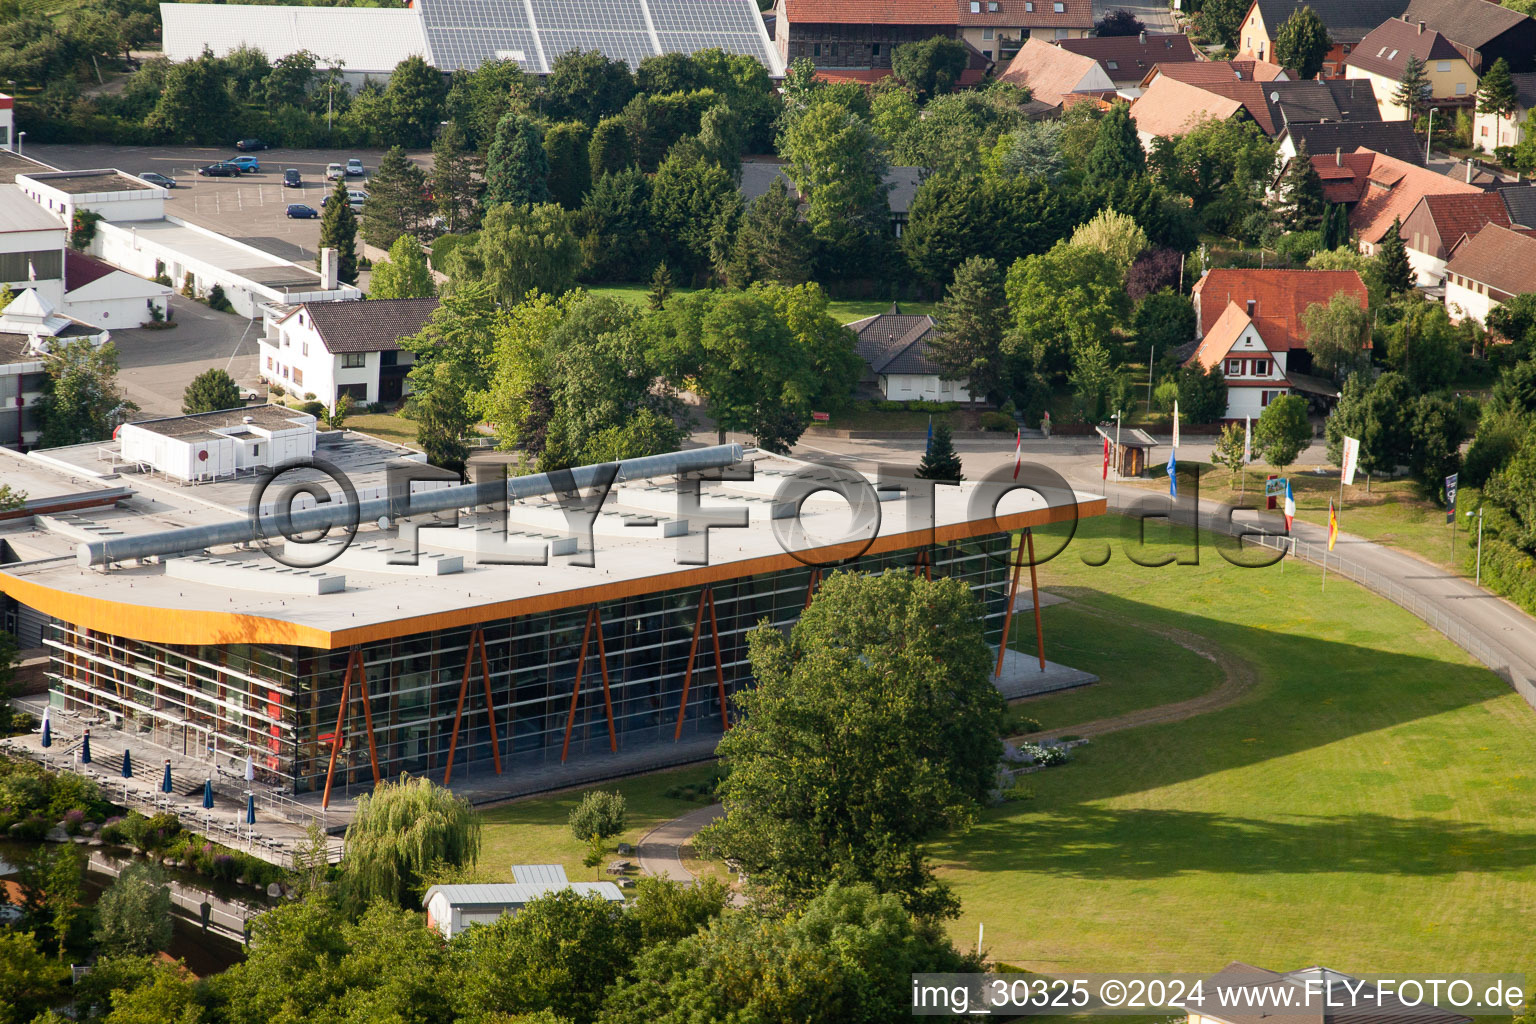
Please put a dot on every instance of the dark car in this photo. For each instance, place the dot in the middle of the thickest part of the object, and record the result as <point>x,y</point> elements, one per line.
<point>219,170</point>
<point>298,211</point>
<point>250,145</point>
<point>156,178</point>
<point>291,178</point>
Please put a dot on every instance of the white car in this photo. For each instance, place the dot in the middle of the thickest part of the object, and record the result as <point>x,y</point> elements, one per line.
<point>333,172</point>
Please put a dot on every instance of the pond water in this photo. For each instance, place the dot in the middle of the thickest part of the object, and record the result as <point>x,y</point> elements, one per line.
<point>203,952</point>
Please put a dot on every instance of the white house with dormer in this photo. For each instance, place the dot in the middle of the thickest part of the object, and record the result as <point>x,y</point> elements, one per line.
<point>329,349</point>
<point>1255,372</point>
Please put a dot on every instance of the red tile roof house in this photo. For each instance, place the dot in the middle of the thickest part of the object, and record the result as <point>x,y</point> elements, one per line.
<point>1379,190</point>
<point>853,39</point>
<point>1434,228</point>
<point>1173,108</point>
<point>1129,59</point>
<point>1489,268</point>
<point>1250,324</point>
<point>1056,76</point>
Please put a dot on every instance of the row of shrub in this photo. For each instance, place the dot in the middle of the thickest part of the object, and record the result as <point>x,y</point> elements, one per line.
<point>916,405</point>
<point>37,800</point>
<point>163,838</point>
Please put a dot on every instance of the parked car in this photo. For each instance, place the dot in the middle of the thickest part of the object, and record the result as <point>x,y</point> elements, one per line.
<point>247,164</point>
<point>156,178</point>
<point>333,172</point>
<point>291,178</point>
<point>299,211</point>
<point>356,197</point>
<point>354,168</point>
<point>251,395</point>
<point>251,145</point>
<point>222,169</point>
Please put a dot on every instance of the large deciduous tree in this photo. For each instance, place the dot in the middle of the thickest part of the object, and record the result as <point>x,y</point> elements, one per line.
<point>872,728</point>
<point>520,249</point>
<point>404,275</point>
<point>133,916</point>
<point>81,401</point>
<point>399,832</point>
<point>414,96</point>
<point>584,85</point>
<point>930,67</point>
<point>837,163</point>
<point>1303,42</point>
<point>1336,335</point>
<point>1283,430</point>
<point>1061,299</point>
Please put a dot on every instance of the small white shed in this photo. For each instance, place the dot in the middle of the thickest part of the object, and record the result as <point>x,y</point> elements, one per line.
<point>453,908</point>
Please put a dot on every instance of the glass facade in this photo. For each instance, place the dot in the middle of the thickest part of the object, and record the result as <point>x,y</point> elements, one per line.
<point>279,704</point>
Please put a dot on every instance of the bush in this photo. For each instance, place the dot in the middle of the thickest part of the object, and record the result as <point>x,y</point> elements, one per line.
<point>313,408</point>
<point>73,821</point>
<point>277,389</point>
<point>998,421</point>
<point>885,405</point>
<point>1165,394</point>
<point>1044,756</point>
<point>218,300</point>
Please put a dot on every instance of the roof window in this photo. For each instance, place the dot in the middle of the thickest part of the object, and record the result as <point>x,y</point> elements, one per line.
<point>1059,8</point>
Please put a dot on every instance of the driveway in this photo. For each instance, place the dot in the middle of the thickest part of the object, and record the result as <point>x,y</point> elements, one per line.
<point>1158,17</point>
<point>155,367</point>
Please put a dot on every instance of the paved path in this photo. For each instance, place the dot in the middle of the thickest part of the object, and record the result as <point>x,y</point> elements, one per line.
<point>660,850</point>
<point>1157,16</point>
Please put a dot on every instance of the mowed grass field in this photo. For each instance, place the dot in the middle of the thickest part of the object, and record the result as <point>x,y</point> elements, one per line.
<point>1366,805</point>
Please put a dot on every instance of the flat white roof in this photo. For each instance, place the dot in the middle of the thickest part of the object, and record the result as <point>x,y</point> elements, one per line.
<point>19,213</point>
<point>222,253</point>
<point>365,39</point>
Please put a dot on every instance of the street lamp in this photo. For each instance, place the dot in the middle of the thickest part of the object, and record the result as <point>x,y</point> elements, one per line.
<point>21,139</point>
<point>1430,136</point>
<point>1479,514</point>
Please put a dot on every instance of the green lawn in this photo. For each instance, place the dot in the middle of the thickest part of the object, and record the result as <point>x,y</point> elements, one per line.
<point>845,310</point>
<point>1366,806</point>
<point>534,831</point>
<point>387,426</point>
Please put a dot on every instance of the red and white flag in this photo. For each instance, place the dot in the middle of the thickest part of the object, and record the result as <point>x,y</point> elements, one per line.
<point>1018,451</point>
<point>1106,456</point>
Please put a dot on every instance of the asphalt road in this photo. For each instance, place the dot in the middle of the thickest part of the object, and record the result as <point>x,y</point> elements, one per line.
<point>155,367</point>
<point>1158,17</point>
<point>251,208</point>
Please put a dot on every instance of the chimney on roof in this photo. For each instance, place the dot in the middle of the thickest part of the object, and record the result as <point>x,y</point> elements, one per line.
<point>1469,170</point>
<point>328,269</point>
<point>1143,37</point>
<point>1421,28</point>
<point>1338,156</point>
<point>1253,307</point>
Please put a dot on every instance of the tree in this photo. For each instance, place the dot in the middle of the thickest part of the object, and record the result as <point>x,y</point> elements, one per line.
<point>404,275</point>
<point>1336,335</point>
<point>967,344</point>
<point>287,83</point>
<point>1117,154</point>
<point>1413,88</point>
<point>773,243</point>
<point>1437,431</point>
<point>566,146</point>
<point>455,180</point>
<point>1303,42</point>
<point>1515,321</point>
<point>397,200</point>
<point>1335,229</point>
<point>1119,23</point>
<point>479,98</point>
<point>586,86</point>
<point>645,432</point>
<point>210,391</point>
<point>599,816</point>
<point>1162,322</point>
<point>1377,414</point>
<point>1202,393</point>
<point>1062,299</point>
<point>1391,260</point>
<point>720,138</point>
<point>1153,270</point>
<point>517,169</point>
<point>872,728</point>
<point>1229,449</point>
<point>402,829</point>
<point>610,151</point>
<point>1301,191</point>
<point>1422,344</point>
<point>836,162</point>
<point>134,915</point>
<point>1116,235</point>
<point>195,104</point>
<point>520,250</point>
<point>167,996</point>
<point>1496,93</point>
<point>1097,386</point>
<point>689,200</point>
<point>849,957</point>
<point>661,287</point>
<point>52,883</point>
<point>338,230</point>
<point>443,421</point>
<point>30,980</point>
<point>615,226</point>
<point>1283,430</point>
<point>1033,149</point>
<point>1221,20</point>
<point>414,99</point>
<point>930,67</point>
<point>940,461</point>
<point>81,401</point>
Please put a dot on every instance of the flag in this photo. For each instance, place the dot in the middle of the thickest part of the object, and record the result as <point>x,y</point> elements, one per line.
<point>929,449</point>
<point>1018,451</point>
<point>1106,456</point>
<point>1173,474</point>
<point>1247,439</point>
<point>1175,422</point>
<point>1290,507</point>
<point>1333,525</point>
<point>31,271</point>
<point>1351,459</point>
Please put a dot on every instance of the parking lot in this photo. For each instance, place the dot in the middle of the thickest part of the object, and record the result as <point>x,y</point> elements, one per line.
<point>251,208</point>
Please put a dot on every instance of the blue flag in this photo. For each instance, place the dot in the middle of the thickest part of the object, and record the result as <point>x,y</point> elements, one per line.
<point>929,449</point>
<point>1173,473</point>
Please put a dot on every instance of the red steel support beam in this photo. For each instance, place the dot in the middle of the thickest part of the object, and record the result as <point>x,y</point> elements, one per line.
<point>810,588</point>
<point>581,661</point>
<point>1013,594</point>
<point>714,628</point>
<point>693,651</point>
<point>341,719</point>
<point>1034,592</point>
<point>362,685</point>
<point>490,706</point>
<point>602,664</point>
<point>458,711</point>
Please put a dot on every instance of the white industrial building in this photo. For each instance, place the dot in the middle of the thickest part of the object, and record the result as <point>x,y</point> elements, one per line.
<point>451,909</point>
<point>454,35</point>
<point>211,445</point>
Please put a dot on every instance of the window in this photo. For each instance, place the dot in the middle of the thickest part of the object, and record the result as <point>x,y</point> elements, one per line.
<point>1249,44</point>
<point>1442,65</point>
<point>992,6</point>
<point>46,264</point>
<point>354,360</point>
<point>1461,88</point>
<point>1234,368</point>
<point>1112,65</point>
<point>988,33</point>
<point>875,49</point>
<point>1059,8</point>
<point>975,6</point>
<point>1029,7</point>
<point>1348,47</point>
<point>1261,367</point>
<point>305,348</point>
<point>834,49</point>
<point>298,375</point>
<point>816,51</point>
<point>1392,55</point>
<point>255,450</point>
<point>356,392</point>
<point>1062,33</point>
<point>285,373</point>
<point>1483,131</point>
<point>269,362</point>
